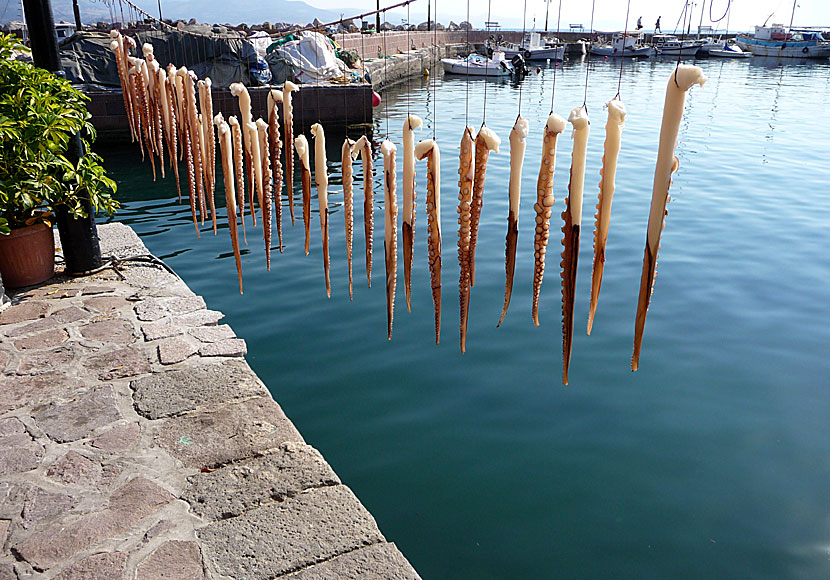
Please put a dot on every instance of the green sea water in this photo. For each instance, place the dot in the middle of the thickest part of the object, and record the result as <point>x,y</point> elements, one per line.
<point>712,461</point>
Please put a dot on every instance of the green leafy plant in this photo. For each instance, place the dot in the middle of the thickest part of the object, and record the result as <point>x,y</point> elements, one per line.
<point>39,114</point>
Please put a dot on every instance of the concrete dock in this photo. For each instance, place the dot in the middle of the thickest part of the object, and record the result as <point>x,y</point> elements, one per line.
<point>136,443</point>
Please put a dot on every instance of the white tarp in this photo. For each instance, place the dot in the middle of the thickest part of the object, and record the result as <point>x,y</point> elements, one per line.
<point>261,41</point>
<point>312,58</point>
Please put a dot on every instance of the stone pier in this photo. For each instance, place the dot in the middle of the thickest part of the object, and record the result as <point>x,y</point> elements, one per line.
<point>137,444</point>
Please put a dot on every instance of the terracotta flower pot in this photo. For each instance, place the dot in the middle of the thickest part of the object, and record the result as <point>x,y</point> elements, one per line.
<point>27,256</point>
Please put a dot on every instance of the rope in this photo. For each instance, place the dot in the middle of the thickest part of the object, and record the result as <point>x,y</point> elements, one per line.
<point>408,60</point>
<point>524,20</point>
<point>467,87</point>
<point>555,66</point>
<point>622,57</point>
<point>385,101</point>
<point>588,62</point>
<point>725,12</point>
<point>434,71</point>
<point>486,70</point>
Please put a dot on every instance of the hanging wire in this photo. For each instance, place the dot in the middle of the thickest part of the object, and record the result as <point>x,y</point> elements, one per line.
<point>345,78</point>
<point>434,69</point>
<point>486,70</point>
<point>558,22</point>
<point>385,101</point>
<point>622,58</point>
<point>682,38</point>
<point>408,61</point>
<point>317,80</point>
<point>363,78</point>
<point>467,87</point>
<point>725,12</point>
<point>524,20</point>
<point>588,62</point>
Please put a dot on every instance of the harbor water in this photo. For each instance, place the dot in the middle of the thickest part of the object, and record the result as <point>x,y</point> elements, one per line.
<point>711,461</point>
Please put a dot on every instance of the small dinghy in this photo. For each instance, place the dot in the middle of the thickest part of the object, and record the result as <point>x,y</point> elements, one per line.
<point>729,51</point>
<point>477,65</point>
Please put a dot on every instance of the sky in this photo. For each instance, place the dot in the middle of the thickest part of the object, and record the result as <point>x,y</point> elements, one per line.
<point>609,14</point>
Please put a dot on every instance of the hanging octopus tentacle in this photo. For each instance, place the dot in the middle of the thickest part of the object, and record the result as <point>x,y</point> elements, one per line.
<point>518,143</point>
<point>132,83</point>
<point>226,151</point>
<point>144,112</point>
<point>544,202</point>
<point>466,173</point>
<point>191,175</point>
<point>208,140</point>
<point>321,179</point>
<point>288,122</point>
<point>194,133</point>
<point>301,145</point>
<point>158,121</point>
<point>274,99</point>
<point>682,79</point>
<point>174,138</point>
<point>348,202</point>
<point>485,141</point>
<point>390,230</point>
<point>238,90</point>
<point>262,132</point>
<point>602,218</point>
<point>429,149</point>
<point>117,45</point>
<point>572,217</point>
<point>238,161</point>
<point>411,123</point>
<point>365,147</point>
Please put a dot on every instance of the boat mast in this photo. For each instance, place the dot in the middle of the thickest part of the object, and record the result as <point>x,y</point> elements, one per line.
<point>792,15</point>
<point>547,8</point>
<point>700,24</point>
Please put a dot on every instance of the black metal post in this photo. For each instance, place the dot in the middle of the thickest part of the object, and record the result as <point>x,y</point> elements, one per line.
<point>79,237</point>
<point>160,16</point>
<point>77,10</point>
<point>429,26</point>
<point>377,19</point>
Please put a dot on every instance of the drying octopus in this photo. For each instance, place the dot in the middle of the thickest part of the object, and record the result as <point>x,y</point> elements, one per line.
<point>365,147</point>
<point>428,149</point>
<point>137,73</point>
<point>466,173</point>
<point>486,141</point>
<point>117,46</point>
<point>602,218</point>
<point>682,79</point>
<point>169,117</point>
<point>238,162</point>
<point>321,180</point>
<point>301,145</point>
<point>348,201</point>
<point>518,144</point>
<point>187,153</point>
<point>274,99</point>
<point>208,148</point>
<point>194,134</point>
<point>288,123</point>
<point>226,152</point>
<point>265,164</point>
<point>572,217</point>
<point>251,129</point>
<point>544,202</point>
<point>238,90</point>
<point>411,123</point>
<point>390,229</point>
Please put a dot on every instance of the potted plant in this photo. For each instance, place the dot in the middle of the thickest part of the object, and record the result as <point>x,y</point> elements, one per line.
<point>40,116</point>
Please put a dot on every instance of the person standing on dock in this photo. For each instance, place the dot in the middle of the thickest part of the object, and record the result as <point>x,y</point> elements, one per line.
<point>640,23</point>
<point>657,25</point>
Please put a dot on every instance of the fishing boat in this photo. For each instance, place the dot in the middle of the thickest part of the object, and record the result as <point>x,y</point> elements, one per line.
<point>669,45</point>
<point>477,65</point>
<point>533,47</point>
<point>626,45</point>
<point>779,41</point>
<point>727,50</point>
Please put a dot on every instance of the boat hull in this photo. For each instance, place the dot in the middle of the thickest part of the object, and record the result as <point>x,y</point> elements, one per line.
<point>460,67</point>
<point>557,53</point>
<point>791,49</point>
<point>628,53</point>
<point>677,51</point>
<point>721,53</point>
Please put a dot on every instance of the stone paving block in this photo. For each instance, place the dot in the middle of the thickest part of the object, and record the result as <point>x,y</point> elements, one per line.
<point>151,309</point>
<point>201,318</point>
<point>161,329</point>
<point>119,364</point>
<point>7,571</point>
<point>75,469</point>
<point>5,357</point>
<point>105,566</point>
<point>174,392</point>
<point>28,310</point>
<point>119,439</point>
<point>233,432</point>
<point>240,487</point>
<point>40,504</point>
<point>37,362</point>
<point>61,540</point>
<point>18,453</point>
<point>43,340</point>
<point>212,333</point>
<point>76,418</point>
<point>106,304</point>
<point>70,314</point>
<point>36,326</point>
<point>376,562</point>
<point>174,350</point>
<point>114,331</point>
<point>173,560</point>
<point>11,426</point>
<point>17,391</point>
<point>4,531</point>
<point>284,537</point>
<point>185,304</point>
<point>92,289</point>
<point>228,347</point>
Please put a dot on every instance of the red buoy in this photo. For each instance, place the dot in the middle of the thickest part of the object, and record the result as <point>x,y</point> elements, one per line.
<point>375,99</point>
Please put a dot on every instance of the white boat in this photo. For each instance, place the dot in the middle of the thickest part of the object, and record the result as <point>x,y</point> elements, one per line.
<point>477,65</point>
<point>533,47</point>
<point>727,50</point>
<point>777,41</point>
<point>631,48</point>
<point>669,45</point>
<point>709,43</point>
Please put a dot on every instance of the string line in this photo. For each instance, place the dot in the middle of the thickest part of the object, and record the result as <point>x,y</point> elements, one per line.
<point>555,66</point>
<point>524,25</point>
<point>588,62</point>
<point>467,84</point>
<point>434,70</point>
<point>622,58</point>
<point>486,70</point>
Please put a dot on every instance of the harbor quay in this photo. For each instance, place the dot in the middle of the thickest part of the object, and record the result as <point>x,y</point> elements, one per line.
<point>136,442</point>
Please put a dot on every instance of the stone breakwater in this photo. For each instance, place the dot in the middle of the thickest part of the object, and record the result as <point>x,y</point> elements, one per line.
<point>136,443</point>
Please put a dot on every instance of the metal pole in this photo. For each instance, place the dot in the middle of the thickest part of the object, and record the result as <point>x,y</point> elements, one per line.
<point>377,18</point>
<point>160,16</point>
<point>428,16</point>
<point>44,39</point>
<point>547,8</point>
<point>78,24</point>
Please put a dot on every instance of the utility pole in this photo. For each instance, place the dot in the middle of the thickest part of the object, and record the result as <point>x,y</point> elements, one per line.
<point>78,24</point>
<point>79,237</point>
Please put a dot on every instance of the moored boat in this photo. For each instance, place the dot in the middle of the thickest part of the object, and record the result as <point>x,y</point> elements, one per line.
<point>669,45</point>
<point>477,65</point>
<point>727,50</point>
<point>776,40</point>
<point>533,47</point>
<point>626,45</point>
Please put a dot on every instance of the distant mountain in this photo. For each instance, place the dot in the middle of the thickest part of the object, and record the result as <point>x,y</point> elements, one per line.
<point>205,11</point>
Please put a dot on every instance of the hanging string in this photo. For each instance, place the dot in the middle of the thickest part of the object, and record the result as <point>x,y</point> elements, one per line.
<point>682,37</point>
<point>434,69</point>
<point>622,58</point>
<point>486,70</point>
<point>408,60</point>
<point>363,78</point>
<point>317,79</point>
<point>555,66</point>
<point>385,101</point>
<point>467,87</point>
<point>725,12</point>
<point>524,20</point>
<point>345,78</point>
<point>588,62</point>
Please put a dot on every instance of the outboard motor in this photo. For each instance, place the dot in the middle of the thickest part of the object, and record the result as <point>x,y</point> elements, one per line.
<point>519,65</point>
